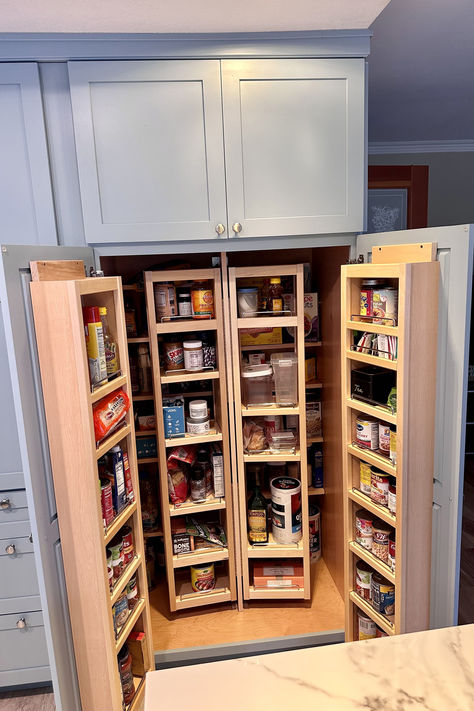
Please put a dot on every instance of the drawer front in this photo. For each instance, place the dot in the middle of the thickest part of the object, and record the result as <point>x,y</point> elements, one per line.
<point>22,648</point>
<point>13,506</point>
<point>17,571</point>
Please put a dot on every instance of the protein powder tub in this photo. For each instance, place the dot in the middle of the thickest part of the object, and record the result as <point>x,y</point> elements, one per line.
<point>193,356</point>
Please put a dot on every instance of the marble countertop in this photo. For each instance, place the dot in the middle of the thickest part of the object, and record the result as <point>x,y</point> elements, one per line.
<point>431,670</point>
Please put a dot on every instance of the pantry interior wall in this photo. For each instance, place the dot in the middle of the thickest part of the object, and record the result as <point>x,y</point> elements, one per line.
<point>325,265</point>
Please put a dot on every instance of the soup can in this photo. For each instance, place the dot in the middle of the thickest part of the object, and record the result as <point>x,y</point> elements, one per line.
<point>286,510</point>
<point>380,633</point>
<point>380,541</point>
<point>314,519</point>
<point>385,305</point>
<point>120,612</point>
<point>392,495</point>
<point>203,577</point>
<point>106,502</point>
<point>132,592</point>
<point>364,579</point>
<point>367,432</point>
<point>393,444</point>
<point>116,551</point>
<point>391,551</point>
<point>366,626</point>
<point>384,438</point>
<point>379,488</point>
<point>127,539</point>
<point>364,529</point>
<point>383,595</point>
<point>365,478</point>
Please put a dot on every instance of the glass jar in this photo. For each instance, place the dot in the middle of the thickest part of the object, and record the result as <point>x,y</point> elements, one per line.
<point>257,385</point>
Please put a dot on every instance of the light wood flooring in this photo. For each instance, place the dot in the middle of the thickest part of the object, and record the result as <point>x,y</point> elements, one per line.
<point>36,700</point>
<point>221,623</point>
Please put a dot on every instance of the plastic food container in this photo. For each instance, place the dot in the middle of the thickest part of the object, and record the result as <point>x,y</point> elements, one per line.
<point>257,385</point>
<point>247,300</point>
<point>284,441</point>
<point>286,378</point>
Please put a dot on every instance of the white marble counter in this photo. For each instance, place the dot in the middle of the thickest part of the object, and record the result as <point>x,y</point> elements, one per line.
<point>432,670</point>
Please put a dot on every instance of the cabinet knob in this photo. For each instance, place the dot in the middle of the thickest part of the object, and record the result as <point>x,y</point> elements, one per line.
<point>237,227</point>
<point>220,229</point>
<point>10,549</point>
<point>5,504</point>
<point>21,623</point>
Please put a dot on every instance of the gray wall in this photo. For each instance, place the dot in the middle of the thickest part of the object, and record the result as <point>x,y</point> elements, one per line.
<point>451,184</point>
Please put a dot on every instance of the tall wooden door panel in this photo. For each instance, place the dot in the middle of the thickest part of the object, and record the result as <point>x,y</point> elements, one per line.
<point>149,149</point>
<point>294,146</point>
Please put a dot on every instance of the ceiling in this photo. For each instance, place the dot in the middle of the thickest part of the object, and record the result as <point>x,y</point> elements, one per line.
<point>421,71</point>
<point>186,15</point>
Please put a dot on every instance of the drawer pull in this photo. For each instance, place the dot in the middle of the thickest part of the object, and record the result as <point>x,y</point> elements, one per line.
<point>237,227</point>
<point>220,229</point>
<point>21,623</point>
<point>5,504</point>
<point>10,549</point>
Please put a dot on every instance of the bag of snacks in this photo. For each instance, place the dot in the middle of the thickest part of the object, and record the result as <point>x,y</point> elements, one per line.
<point>109,412</point>
<point>253,437</point>
<point>178,485</point>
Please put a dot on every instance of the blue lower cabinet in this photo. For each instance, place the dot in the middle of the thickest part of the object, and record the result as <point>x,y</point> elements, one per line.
<point>23,653</point>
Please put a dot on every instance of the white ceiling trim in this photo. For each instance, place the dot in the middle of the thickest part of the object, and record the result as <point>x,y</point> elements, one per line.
<point>454,146</point>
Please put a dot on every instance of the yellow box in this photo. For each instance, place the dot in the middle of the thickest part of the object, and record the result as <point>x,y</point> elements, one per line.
<point>309,369</point>
<point>261,337</point>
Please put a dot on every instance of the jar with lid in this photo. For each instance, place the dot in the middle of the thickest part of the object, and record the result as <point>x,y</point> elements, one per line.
<point>124,659</point>
<point>184,302</point>
<point>275,295</point>
<point>193,356</point>
<point>202,299</point>
<point>257,385</point>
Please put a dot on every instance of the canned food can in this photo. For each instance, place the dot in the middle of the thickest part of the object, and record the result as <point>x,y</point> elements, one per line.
<point>127,539</point>
<point>392,495</point>
<point>110,572</point>
<point>367,432</point>
<point>385,305</point>
<point>383,595</point>
<point>364,529</point>
<point>314,519</point>
<point>366,626</point>
<point>365,478</point>
<point>364,580</point>
<point>380,633</point>
<point>391,552</point>
<point>286,510</point>
<point>116,551</point>
<point>393,444</point>
<point>202,577</point>
<point>380,541</point>
<point>384,438</point>
<point>202,299</point>
<point>132,592</point>
<point>106,502</point>
<point>120,612</point>
<point>379,488</point>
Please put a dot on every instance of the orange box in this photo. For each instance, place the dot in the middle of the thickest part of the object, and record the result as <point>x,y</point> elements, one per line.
<point>278,574</point>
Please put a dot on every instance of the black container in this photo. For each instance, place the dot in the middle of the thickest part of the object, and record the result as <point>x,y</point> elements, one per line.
<point>372,384</point>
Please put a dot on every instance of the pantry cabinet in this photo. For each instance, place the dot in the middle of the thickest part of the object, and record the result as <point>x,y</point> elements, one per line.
<point>152,139</point>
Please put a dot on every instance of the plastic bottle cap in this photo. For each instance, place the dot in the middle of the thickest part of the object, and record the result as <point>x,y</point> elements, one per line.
<point>192,344</point>
<point>256,371</point>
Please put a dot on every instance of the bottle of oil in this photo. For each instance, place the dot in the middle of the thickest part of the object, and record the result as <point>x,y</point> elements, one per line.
<point>257,515</point>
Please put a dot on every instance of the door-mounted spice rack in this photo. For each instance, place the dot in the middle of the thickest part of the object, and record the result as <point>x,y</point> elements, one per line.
<point>388,452</point>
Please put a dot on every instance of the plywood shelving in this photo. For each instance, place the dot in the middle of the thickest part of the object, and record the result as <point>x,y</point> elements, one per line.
<point>415,369</point>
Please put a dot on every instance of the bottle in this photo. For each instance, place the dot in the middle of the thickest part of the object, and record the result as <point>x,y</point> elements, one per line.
<point>257,515</point>
<point>111,350</point>
<point>204,460</point>
<point>275,295</point>
<point>198,483</point>
<point>130,320</point>
<point>144,369</point>
<point>184,303</point>
<point>95,345</point>
<point>126,677</point>
<point>134,374</point>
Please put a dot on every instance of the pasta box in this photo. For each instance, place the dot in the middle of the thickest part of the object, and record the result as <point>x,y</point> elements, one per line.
<point>146,447</point>
<point>183,542</point>
<point>278,574</point>
<point>372,384</point>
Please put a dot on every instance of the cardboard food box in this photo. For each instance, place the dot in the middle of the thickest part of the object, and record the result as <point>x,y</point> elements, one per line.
<point>261,336</point>
<point>314,427</point>
<point>310,369</point>
<point>137,647</point>
<point>278,574</point>
<point>311,317</point>
<point>183,542</point>
<point>173,417</point>
<point>146,422</point>
<point>146,447</point>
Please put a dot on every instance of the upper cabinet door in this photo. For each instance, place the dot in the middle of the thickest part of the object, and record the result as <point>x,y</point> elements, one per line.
<point>295,146</point>
<point>149,143</point>
<point>26,201</point>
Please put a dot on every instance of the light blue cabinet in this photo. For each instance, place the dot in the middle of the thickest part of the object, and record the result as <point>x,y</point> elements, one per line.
<point>152,140</point>
<point>149,149</point>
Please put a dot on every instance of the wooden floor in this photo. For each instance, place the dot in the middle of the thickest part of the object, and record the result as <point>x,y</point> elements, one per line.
<point>221,623</point>
<point>466,581</point>
<point>36,700</point>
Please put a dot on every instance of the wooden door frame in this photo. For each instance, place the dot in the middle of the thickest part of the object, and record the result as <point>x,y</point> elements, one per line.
<point>412,177</point>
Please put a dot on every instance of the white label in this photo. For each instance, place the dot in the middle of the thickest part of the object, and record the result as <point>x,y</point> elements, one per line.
<point>279,583</point>
<point>285,570</point>
<point>218,471</point>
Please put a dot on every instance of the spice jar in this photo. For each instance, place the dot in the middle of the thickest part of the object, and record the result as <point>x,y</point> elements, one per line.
<point>174,355</point>
<point>126,677</point>
<point>193,356</point>
<point>202,299</point>
<point>165,300</point>
<point>184,303</point>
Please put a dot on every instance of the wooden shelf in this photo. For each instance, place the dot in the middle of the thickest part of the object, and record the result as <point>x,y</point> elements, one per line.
<point>183,377</point>
<point>258,411</point>
<point>372,328</point>
<point>124,579</point>
<point>385,623</point>
<point>190,507</point>
<point>109,387</point>
<point>268,457</point>
<point>214,435</point>
<point>372,410</point>
<point>276,593</point>
<point>119,521</point>
<point>313,440</point>
<point>144,433</point>
<point>312,491</point>
<point>147,460</point>
<point>186,326</point>
<point>139,684</point>
<point>200,557</point>
<point>377,509</point>
<point>138,339</point>
<point>132,620</point>
<point>111,441</point>
<point>372,360</point>
<point>276,550</point>
<point>373,561</point>
<point>313,385</point>
<point>187,598</point>
<point>140,398</point>
<point>378,460</point>
<point>153,534</point>
<point>313,344</point>
<point>263,322</point>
